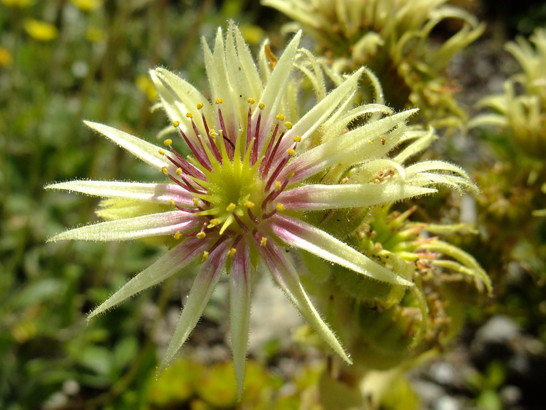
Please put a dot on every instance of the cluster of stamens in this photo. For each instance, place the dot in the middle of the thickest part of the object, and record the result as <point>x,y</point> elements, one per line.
<point>234,179</point>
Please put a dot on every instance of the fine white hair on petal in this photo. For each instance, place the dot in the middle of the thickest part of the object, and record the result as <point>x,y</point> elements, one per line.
<point>323,197</point>
<point>141,149</point>
<point>276,85</point>
<point>166,266</point>
<point>159,193</point>
<point>287,278</point>
<point>352,147</point>
<point>240,299</point>
<point>320,112</point>
<point>179,97</point>
<point>313,240</point>
<point>199,295</point>
<point>164,223</point>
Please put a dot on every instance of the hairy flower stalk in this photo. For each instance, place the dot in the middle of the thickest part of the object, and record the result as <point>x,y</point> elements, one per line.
<point>256,170</point>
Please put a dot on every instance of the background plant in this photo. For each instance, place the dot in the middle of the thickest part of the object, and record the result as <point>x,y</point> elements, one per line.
<point>396,39</point>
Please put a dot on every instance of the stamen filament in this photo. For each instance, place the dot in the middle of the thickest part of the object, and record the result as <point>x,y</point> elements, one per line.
<point>217,243</point>
<point>240,223</point>
<point>269,214</point>
<point>274,194</point>
<point>198,136</point>
<point>249,126</point>
<point>257,136</point>
<point>225,133</point>
<point>272,147</point>
<point>211,140</point>
<point>202,160</point>
<point>252,216</point>
<point>186,167</point>
<point>277,171</point>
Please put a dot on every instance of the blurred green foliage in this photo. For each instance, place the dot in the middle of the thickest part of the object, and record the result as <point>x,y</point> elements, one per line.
<point>61,62</point>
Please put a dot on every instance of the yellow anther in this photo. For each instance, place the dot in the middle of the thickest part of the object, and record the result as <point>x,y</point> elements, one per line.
<point>231,207</point>
<point>172,202</point>
<point>176,123</point>
<point>168,142</point>
<point>164,171</point>
<point>219,101</point>
<point>278,185</point>
<point>177,235</point>
<point>195,201</point>
<point>263,241</point>
<point>213,223</point>
<point>231,252</point>
<point>288,125</point>
<point>213,134</point>
<point>205,256</point>
<point>249,204</point>
<point>290,151</point>
<point>201,235</point>
<point>161,152</point>
<point>297,138</point>
<point>280,117</point>
<point>251,100</point>
<point>280,207</point>
<point>189,115</point>
<point>178,171</point>
<point>200,105</point>
<point>290,175</point>
<point>261,105</point>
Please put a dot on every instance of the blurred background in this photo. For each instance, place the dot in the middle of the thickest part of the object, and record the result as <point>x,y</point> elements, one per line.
<point>65,61</point>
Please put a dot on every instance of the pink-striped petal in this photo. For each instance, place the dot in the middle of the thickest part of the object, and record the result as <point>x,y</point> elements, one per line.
<point>170,263</point>
<point>179,97</point>
<point>159,193</point>
<point>141,149</point>
<point>322,197</point>
<point>164,223</point>
<point>199,295</point>
<point>240,310</point>
<point>353,147</point>
<point>313,240</point>
<point>313,119</point>
<point>287,278</point>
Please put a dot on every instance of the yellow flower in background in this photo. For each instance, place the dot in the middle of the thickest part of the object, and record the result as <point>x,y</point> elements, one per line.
<point>5,57</point>
<point>95,35</point>
<point>40,30</point>
<point>87,5</point>
<point>145,84</point>
<point>18,3</point>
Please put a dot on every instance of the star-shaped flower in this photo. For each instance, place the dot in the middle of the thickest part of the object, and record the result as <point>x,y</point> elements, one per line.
<point>243,194</point>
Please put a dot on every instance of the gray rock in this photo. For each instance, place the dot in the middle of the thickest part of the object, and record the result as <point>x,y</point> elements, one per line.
<point>428,392</point>
<point>494,339</point>
<point>447,403</point>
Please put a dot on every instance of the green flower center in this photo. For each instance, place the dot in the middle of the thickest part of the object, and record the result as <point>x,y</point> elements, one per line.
<point>234,179</point>
<point>234,190</point>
